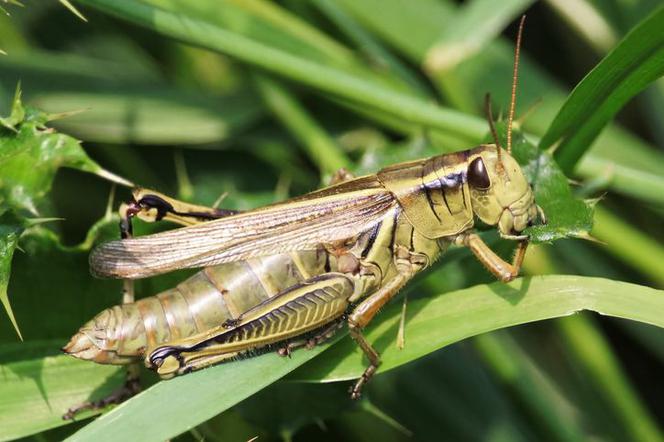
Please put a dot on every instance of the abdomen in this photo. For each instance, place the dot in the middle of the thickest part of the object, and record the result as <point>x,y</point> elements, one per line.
<point>121,334</point>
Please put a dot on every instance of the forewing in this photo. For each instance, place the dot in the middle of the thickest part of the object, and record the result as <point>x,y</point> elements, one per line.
<point>299,224</point>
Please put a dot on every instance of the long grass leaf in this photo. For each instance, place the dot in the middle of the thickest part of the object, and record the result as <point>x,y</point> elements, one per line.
<point>34,392</point>
<point>432,324</point>
<point>602,368</point>
<point>435,323</point>
<point>320,147</point>
<point>329,80</point>
<point>633,64</point>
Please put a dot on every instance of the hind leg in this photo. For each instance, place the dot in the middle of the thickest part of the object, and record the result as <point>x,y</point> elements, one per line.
<point>313,304</point>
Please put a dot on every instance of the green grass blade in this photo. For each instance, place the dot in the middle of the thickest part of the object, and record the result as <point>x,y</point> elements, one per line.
<point>586,20</point>
<point>626,179</point>
<point>34,393</point>
<point>602,368</point>
<point>286,21</point>
<point>434,323</point>
<point>151,116</point>
<point>630,245</point>
<point>424,20</point>
<point>266,22</point>
<point>269,24</point>
<point>476,24</point>
<point>322,149</point>
<point>637,61</point>
<point>291,23</point>
<point>329,80</point>
<point>368,44</point>
<point>189,400</point>
<point>73,10</point>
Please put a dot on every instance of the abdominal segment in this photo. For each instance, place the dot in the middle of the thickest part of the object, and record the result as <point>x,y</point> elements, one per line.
<point>123,333</point>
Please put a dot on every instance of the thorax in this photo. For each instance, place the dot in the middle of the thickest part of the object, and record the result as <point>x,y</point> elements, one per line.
<point>378,254</point>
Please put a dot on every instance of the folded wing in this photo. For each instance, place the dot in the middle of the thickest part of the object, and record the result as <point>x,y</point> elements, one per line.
<point>329,215</point>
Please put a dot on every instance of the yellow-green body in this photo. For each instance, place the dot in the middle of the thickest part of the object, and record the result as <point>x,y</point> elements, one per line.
<point>223,292</point>
<point>254,298</point>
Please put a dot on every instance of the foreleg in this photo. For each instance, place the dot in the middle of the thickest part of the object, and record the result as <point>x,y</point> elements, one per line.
<point>495,264</point>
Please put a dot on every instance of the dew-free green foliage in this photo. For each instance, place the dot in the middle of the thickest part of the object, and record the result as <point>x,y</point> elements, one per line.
<point>208,393</point>
<point>567,216</point>
<point>634,64</point>
<point>262,100</point>
<point>10,230</point>
<point>30,155</point>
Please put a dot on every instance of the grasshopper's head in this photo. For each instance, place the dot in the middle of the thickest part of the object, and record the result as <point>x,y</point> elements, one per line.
<point>499,192</point>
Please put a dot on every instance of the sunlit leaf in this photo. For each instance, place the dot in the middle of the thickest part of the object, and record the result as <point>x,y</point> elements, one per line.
<point>431,324</point>
<point>434,323</point>
<point>34,392</point>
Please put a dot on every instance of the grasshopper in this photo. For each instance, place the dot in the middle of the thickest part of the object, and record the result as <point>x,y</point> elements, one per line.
<point>289,274</point>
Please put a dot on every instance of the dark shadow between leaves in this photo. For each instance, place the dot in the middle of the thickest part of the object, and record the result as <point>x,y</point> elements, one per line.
<point>31,369</point>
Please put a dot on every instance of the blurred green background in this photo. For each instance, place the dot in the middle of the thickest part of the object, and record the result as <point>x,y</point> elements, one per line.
<point>259,101</point>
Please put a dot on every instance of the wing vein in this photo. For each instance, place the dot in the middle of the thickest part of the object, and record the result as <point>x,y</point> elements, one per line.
<point>297,225</point>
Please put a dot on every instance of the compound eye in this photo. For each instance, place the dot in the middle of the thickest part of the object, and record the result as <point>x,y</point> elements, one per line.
<point>477,176</point>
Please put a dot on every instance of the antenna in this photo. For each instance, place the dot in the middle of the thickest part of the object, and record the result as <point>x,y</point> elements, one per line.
<point>489,117</point>
<point>515,77</point>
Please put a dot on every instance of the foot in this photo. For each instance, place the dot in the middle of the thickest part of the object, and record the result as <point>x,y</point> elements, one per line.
<point>356,390</point>
<point>130,388</point>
